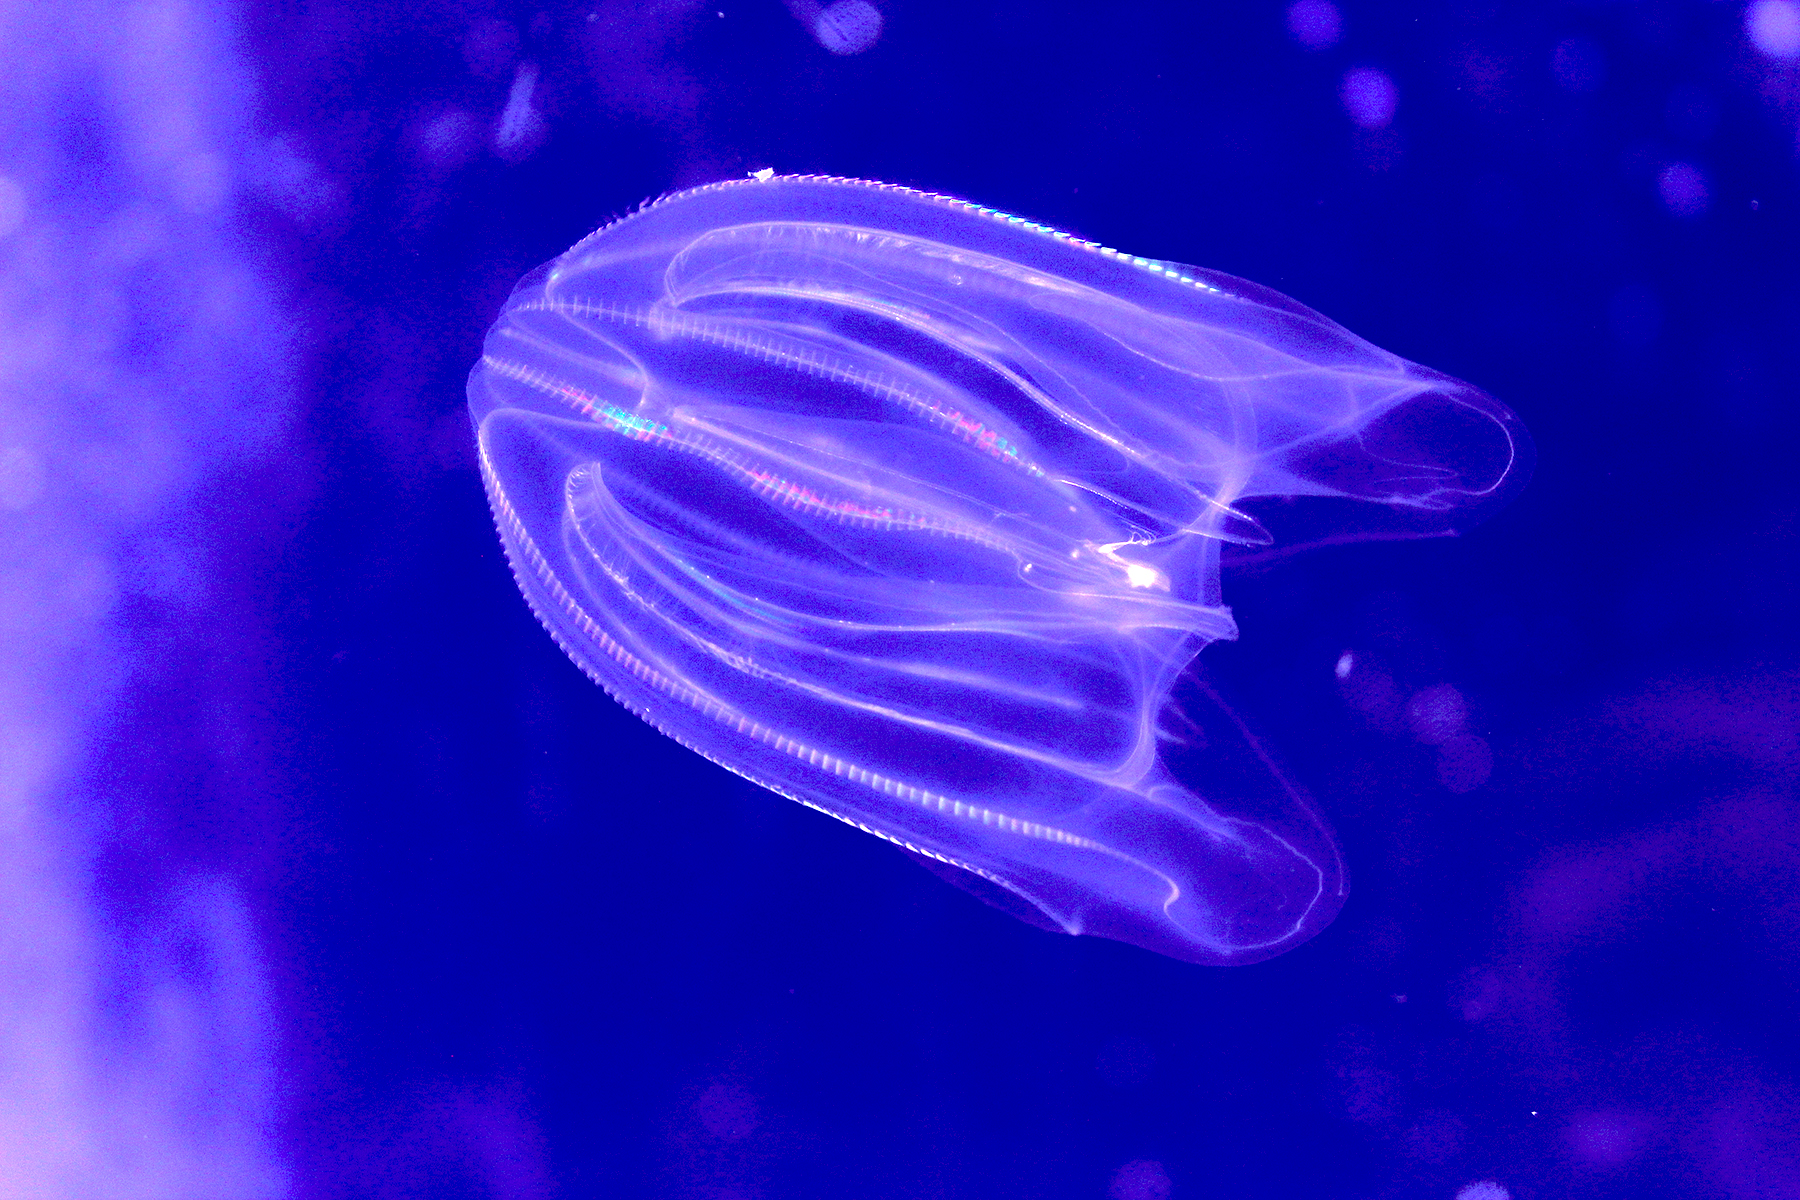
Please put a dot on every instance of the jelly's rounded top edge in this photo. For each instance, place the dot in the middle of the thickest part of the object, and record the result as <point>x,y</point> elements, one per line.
<point>1166,270</point>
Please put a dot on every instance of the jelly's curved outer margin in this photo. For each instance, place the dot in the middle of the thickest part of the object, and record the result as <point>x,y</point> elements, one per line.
<point>520,545</point>
<point>1207,281</point>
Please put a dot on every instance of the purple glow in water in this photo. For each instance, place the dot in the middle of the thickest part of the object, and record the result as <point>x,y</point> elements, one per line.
<point>1578,64</point>
<point>134,1015</point>
<point>1370,97</point>
<point>1773,27</point>
<point>844,27</point>
<point>1141,1179</point>
<point>520,127</point>
<point>848,26</point>
<point>1315,24</point>
<point>1483,1189</point>
<point>1683,189</point>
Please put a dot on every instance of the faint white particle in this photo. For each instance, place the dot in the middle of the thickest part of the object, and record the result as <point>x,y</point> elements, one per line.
<point>1346,663</point>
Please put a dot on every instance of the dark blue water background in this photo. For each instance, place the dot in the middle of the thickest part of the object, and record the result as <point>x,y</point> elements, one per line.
<point>520,945</point>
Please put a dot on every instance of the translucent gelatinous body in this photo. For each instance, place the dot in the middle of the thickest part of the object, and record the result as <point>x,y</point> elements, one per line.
<point>912,511</point>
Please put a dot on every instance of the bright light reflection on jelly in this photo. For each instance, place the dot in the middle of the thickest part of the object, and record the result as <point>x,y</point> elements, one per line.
<point>913,512</point>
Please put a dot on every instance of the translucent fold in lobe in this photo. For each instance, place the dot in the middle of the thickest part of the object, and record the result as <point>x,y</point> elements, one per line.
<point>912,511</point>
